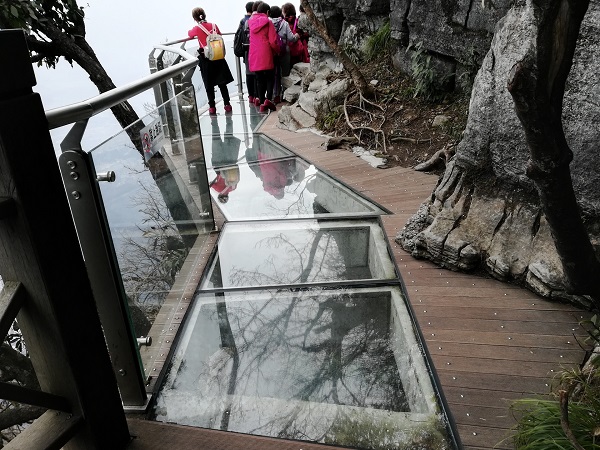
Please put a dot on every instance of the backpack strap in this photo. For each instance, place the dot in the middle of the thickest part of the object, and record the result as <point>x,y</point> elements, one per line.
<point>206,31</point>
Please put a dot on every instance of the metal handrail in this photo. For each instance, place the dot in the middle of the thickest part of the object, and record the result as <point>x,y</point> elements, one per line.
<point>64,115</point>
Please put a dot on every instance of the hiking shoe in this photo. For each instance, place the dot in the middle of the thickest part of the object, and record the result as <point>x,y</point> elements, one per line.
<point>212,111</point>
<point>228,109</point>
<point>251,100</point>
<point>269,104</point>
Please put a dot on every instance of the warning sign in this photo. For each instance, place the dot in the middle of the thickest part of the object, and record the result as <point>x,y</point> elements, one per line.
<point>152,137</point>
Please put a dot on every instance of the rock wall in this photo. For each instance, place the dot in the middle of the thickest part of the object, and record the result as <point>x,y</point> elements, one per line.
<point>456,35</point>
<point>447,27</point>
<point>485,212</point>
<point>350,22</point>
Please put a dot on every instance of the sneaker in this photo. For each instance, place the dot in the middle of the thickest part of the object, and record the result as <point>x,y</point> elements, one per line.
<point>269,104</point>
<point>264,109</point>
<point>256,101</point>
<point>228,109</point>
<point>212,111</point>
<point>251,100</point>
<point>277,99</point>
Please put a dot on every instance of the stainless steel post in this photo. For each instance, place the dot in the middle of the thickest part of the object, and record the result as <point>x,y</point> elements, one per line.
<point>81,184</point>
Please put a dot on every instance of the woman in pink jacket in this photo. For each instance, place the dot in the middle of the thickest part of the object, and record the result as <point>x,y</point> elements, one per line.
<point>263,44</point>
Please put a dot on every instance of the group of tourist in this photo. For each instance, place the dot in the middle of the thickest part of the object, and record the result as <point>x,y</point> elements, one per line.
<point>275,44</point>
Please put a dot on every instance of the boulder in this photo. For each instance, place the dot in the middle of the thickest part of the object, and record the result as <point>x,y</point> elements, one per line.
<point>292,93</point>
<point>314,97</point>
<point>293,117</point>
<point>331,96</point>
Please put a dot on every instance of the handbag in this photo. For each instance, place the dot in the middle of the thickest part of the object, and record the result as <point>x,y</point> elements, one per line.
<point>296,48</point>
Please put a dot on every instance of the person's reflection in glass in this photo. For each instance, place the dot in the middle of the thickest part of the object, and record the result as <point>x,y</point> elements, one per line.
<point>255,118</point>
<point>224,158</point>
<point>251,155</point>
<point>276,175</point>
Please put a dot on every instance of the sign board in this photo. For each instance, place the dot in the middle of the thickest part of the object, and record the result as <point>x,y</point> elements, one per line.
<point>152,137</point>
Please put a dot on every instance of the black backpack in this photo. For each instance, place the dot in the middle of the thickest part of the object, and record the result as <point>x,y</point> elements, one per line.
<point>241,40</point>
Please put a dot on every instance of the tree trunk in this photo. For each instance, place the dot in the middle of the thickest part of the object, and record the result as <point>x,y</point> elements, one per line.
<point>537,85</point>
<point>365,89</point>
<point>79,50</point>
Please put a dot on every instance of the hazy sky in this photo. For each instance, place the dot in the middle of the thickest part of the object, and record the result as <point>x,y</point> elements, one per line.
<point>123,34</point>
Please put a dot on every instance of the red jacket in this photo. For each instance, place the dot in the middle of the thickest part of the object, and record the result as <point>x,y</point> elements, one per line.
<point>201,35</point>
<point>263,43</point>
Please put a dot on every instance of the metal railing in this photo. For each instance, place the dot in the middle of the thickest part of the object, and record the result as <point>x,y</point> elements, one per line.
<point>66,115</point>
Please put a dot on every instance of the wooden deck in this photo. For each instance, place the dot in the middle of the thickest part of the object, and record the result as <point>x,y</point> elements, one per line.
<point>489,342</point>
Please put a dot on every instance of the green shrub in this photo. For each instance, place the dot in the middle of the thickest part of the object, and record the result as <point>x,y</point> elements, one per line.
<point>379,43</point>
<point>539,421</point>
<point>330,119</point>
<point>426,82</point>
<point>469,65</point>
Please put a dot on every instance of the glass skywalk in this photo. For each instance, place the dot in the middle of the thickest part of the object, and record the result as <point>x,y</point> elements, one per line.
<point>300,328</point>
<point>296,326</point>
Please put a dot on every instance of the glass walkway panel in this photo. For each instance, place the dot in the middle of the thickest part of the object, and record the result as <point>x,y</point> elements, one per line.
<point>253,177</point>
<point>299,252</point>
<point>339,366</point>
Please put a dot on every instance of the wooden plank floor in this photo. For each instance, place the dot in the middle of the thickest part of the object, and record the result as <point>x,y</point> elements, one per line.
<point>490,342</point>
<point>149,435</point>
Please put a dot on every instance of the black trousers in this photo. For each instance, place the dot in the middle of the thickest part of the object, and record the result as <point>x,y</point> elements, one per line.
<point>264,84</point>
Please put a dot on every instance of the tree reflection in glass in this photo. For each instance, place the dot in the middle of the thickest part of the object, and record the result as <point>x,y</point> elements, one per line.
<point>278,358</point>
<point>298,256</point>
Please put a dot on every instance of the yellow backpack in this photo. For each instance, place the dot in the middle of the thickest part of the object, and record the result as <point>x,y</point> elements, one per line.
<point>215,46</point>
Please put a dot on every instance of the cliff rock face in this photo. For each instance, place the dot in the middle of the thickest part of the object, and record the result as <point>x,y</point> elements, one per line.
<point>350,22</point>
<point>485,212</point>
<point>457,34</point>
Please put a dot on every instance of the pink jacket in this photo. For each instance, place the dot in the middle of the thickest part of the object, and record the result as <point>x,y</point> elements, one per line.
<point>263,43</point>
